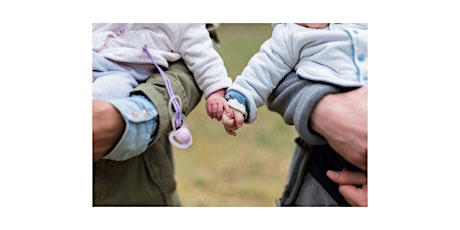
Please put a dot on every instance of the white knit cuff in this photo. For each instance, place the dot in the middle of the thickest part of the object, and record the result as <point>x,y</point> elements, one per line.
<point>238,106</point>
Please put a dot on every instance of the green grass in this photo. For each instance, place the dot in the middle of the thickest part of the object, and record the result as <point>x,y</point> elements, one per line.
<point>248,170</point>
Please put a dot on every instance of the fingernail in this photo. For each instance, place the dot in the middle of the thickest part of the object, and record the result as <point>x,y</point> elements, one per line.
<point>332,173</point>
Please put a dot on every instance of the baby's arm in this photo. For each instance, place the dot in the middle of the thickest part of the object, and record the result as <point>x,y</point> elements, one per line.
<point>216,104</point>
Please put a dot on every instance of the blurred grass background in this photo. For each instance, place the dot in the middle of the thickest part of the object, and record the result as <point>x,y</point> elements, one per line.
<point>248,170</point>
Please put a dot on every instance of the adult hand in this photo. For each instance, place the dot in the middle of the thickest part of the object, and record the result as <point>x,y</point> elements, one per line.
<point>108,127</point>
<point>348,181</point>
<point>342,120</point>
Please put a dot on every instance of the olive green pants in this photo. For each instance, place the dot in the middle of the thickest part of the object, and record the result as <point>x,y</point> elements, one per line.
<point>148,179</point>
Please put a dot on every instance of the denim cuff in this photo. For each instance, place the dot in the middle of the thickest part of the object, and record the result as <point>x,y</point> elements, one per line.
<point>141,119</point>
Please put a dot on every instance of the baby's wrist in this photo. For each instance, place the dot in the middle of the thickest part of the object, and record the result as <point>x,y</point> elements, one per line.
<point>220,92</point>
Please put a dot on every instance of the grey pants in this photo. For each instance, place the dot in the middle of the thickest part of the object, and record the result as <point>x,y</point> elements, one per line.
<point>301,188</point>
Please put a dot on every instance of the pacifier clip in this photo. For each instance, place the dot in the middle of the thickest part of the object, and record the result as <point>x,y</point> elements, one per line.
<point>180,136</point>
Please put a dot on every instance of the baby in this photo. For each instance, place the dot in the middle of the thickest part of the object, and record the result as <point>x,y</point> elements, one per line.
<point>334,53</point>
<point>125,55</point>
<point>122,45</point>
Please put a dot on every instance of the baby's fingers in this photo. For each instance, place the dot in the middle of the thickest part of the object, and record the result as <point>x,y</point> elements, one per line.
<point>226,107</point>
<point>227,120</point>
<point>220,111</point>
<point>230,132</point>
<point>209,110</point>
<point>239,119</point>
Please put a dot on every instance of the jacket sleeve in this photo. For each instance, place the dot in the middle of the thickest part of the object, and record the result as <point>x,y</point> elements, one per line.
<point>276,58</point>
<point>294,99</point>
<point>197,50</point>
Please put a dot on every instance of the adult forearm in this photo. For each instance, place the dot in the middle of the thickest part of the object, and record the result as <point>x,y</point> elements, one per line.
<point>294,99</point>
<point>108,127</point>
<point>322,114</point>
<point>342,120</point>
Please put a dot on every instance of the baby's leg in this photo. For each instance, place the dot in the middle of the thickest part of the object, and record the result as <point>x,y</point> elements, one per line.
<point>110,80</point>
<point>112,84</point>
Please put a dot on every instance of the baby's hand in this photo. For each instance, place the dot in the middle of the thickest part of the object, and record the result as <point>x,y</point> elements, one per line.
<point>216,104</point>
<point>232,121</point>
